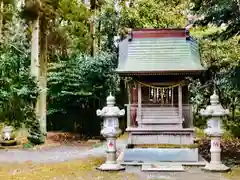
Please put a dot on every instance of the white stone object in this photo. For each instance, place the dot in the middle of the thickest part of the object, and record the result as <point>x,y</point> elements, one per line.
<point>110,131</point>
<point>214,129</point>
<point>7,133</point>
<point>163,167</point>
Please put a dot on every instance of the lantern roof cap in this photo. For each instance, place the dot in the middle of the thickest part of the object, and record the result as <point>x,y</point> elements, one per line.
<point>110,99</point>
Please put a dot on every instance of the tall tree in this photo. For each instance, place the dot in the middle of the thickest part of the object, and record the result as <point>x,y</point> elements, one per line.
<point>95,5</point>
<point>33,12</point>
<point>117,17</point>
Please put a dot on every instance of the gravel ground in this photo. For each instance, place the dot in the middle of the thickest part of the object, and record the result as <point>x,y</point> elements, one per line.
<point>55,154</point>
<point>66,153</point>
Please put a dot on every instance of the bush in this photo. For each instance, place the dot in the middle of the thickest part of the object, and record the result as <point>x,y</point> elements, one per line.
<point>233,125</point>
<point>18,92</point>
<point>78,86</point>
<point>35,136</point>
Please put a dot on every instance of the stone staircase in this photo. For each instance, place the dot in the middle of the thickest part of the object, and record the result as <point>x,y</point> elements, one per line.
<point>160,118</point>
<point>160,125</point>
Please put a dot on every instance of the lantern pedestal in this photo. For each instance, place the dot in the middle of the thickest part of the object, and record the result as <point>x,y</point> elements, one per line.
<point>211,167</point>
<point>215,164</point>
<point>111,167</point>
<point>111,160</point>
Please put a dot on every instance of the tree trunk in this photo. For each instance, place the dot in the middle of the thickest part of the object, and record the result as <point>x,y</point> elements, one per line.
<point>1,18</point>
<point>233,112</point>
<point>92,28</point>
<point>92,32</point>
<point>43,75</point>
<point>35,49</point>
<point>34,68</point>
<point>99,32</point>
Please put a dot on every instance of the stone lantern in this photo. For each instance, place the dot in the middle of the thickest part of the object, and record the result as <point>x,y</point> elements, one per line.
<point>214,129</point>
<point>111,131</point>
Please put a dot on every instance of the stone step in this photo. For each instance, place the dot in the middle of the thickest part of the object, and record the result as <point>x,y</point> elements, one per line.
<point>158,110</point>
<point>162,126</point>
<point>159,117</point>
<point>159,107</point>
<point>161,121</point>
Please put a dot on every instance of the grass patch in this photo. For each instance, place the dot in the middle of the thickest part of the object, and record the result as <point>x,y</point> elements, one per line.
<point>234,174</point>
<point>78,169</point>
<point>123,136</point>
<point>190,146</point>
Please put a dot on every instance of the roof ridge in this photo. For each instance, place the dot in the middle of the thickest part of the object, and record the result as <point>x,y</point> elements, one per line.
<point>158,33</point>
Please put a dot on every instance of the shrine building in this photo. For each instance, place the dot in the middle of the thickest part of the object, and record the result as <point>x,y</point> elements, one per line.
<point>156,64</point>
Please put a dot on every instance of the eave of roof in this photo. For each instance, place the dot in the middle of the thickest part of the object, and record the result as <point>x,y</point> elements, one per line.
<point>156,73</point>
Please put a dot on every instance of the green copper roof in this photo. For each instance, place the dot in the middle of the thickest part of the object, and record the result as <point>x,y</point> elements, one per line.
<point>158,55</point>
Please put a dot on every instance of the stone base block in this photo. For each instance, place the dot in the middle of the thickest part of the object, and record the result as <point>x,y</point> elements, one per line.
<point>216,168</point>
<point>111,167</point>
<point>160,136</point>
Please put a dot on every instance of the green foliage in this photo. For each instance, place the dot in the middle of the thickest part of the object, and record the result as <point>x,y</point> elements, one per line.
<point>219,12</point>
<point>72,24</point>
<point>109,21</point>
<point>18,90</point>
<point>28,145</point>
<point>116,22</point>
<point>35,135</point>
<point>154,14</point>
<point>80,79</point>
<point>222,60</point>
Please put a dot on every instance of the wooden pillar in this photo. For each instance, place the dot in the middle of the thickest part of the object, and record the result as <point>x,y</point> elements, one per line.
<point>139,112</point>
<point>191,116</point>
<point>180,101</point>
<point>172,96</point>
<point>129,107</point>
<point>154,95</point>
